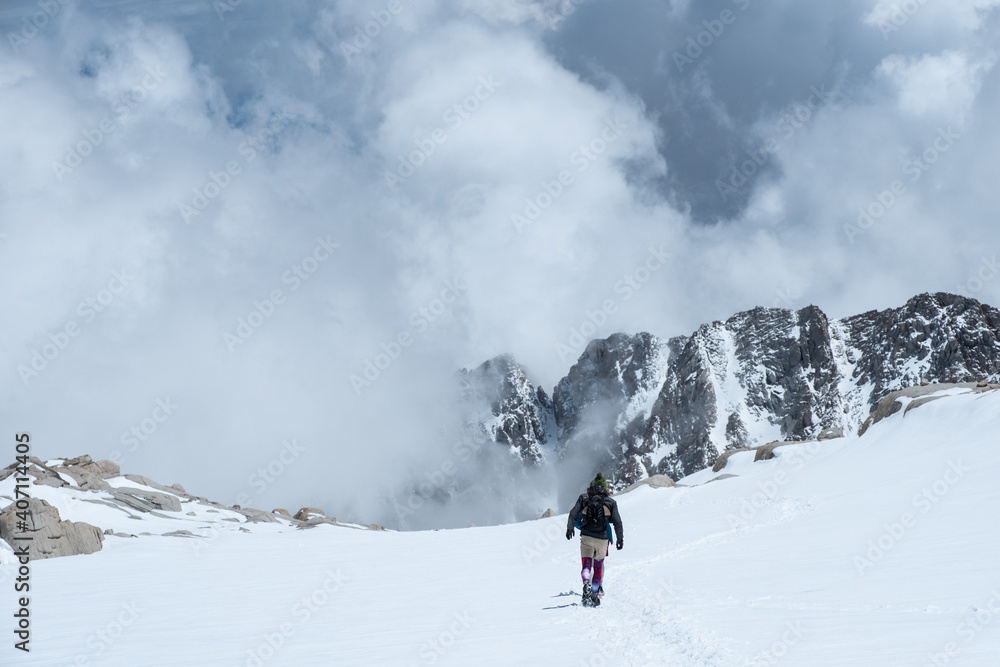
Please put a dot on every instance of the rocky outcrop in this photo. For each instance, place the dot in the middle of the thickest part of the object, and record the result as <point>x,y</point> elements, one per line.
<point>934,337</point>
<point>920,395</point>
<point>307,513</point>
<point>638,406</point>
<point>502,402</point>
<point>146,501</point>
<point>602,406</point>
<point>606,378</point>
<point>768,371</point>
<point>654,482</point>
<point>51,537</point>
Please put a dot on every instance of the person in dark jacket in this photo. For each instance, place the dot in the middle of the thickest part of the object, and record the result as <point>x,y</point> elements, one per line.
<point>594,513</point>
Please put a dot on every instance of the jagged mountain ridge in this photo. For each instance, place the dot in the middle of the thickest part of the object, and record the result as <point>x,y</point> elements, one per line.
<point>640,405</point>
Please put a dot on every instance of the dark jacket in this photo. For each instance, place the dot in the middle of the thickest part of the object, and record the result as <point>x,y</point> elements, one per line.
<point>610,510</point>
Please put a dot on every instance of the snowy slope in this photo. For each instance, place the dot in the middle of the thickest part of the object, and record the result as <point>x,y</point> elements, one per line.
<point>779,565</point>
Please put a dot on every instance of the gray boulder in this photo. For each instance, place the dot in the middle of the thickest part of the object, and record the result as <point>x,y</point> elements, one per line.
<point>920,395</point>
<point>654,482</point>
<point>307,513</point>
<point>85,478</point>
<point>146,501</point>
<point>501,401</point>
<point>102,469</point>
<point>51,536</point>
<point>145,481</point>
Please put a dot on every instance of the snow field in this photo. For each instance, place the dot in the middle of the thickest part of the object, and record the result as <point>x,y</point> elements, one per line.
<point>876,550</point>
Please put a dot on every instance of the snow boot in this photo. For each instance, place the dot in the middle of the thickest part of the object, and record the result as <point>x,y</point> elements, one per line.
<point>595,600</point>
<point>588,594</point>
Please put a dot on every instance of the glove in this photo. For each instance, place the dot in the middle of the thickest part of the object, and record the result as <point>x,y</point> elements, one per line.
<point>619,545</point>
<point>570,533</point>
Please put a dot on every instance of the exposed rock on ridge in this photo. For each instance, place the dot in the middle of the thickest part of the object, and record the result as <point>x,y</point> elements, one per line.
<point>641,407</point>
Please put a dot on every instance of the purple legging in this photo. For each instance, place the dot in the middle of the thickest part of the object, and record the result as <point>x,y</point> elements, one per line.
<point>597,565</point>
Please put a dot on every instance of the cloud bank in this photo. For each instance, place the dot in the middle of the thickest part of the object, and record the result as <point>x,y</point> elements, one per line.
<point>293,223</point>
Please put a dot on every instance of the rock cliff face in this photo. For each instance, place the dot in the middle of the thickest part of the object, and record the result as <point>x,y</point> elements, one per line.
<point>766,374</point>
<point>501,401</point>
<point>602,405</point>
<point>639,406</point>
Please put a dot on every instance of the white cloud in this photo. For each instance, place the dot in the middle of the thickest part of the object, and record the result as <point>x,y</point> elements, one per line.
<point>943,85</point>
<point>323,173</point>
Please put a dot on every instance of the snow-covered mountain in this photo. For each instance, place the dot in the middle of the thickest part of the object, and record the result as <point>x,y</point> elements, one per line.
<point>501,403</point>
<point>861,550</point>
<point>638,405</point>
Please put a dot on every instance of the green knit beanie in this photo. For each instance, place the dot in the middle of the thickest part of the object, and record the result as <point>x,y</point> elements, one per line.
<point>600,481</point>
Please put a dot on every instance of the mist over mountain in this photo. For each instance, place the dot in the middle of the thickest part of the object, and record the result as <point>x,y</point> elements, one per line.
<point>636,406</point>
<point>290,223</point>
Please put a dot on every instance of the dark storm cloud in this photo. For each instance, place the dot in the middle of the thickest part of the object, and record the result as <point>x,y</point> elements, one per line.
<point>709,72</point>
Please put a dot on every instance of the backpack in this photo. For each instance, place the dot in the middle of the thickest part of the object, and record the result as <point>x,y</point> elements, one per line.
<point>594,518</point>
